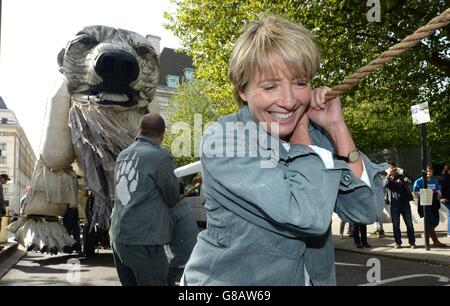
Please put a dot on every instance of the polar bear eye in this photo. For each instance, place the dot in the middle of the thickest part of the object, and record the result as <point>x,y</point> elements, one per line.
<point>142,50</point>
<point>88,41</point>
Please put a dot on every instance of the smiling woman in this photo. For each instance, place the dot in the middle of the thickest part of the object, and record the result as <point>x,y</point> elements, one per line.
<point>255,53</point>
<point>271,225</point>
<point>282,98</point>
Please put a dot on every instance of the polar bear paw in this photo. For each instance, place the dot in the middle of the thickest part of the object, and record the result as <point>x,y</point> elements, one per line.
<point>127,179</point>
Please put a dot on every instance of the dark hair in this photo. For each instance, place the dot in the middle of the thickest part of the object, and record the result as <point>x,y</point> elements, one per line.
<point>152,125</point>
<point>5,176</point>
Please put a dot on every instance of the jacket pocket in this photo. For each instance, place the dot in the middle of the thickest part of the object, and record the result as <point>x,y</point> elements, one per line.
<point>278,245</point>
<point>220,235</point>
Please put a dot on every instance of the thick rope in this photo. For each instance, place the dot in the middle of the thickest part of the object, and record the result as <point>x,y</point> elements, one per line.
<point>407,43</point>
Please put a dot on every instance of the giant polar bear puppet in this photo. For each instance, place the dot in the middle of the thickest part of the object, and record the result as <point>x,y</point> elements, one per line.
<point>108,78</point>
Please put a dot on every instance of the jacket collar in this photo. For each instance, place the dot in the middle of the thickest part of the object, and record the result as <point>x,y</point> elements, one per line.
<point>245,116</point>
<point>146,139</point>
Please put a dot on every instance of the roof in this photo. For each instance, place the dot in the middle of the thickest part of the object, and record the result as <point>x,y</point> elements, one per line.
<point>191,168</point>
<point>2,104</point>
<point>172,63</point>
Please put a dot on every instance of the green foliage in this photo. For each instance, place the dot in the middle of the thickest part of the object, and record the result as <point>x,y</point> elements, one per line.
<point>378,110</point>
<point>192,108</point>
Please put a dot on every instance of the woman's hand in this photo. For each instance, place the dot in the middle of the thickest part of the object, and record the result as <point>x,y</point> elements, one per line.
<point>327,115</point>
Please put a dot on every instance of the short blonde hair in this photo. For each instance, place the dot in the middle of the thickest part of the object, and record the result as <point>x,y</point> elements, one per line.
<point>271,35</point>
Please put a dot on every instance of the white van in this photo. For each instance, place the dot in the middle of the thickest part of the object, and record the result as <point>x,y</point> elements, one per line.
<point>196,199</point>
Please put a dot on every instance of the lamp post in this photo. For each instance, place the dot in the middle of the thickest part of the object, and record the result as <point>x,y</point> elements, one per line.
<point>421,116</point>
<point>423,140</point>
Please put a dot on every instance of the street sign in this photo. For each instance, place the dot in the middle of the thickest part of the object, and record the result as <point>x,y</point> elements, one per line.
<point>420,116</point>
<point>420,113</point>
<point>426,196</point>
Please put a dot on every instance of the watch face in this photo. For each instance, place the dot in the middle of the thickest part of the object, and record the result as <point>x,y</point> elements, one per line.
<point>353,156</point>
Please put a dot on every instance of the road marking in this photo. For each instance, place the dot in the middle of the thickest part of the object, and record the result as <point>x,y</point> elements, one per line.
<point>349,264</point>
<point>440,278</point>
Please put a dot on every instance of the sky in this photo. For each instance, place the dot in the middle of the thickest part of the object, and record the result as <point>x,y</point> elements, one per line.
<point>33,32</point>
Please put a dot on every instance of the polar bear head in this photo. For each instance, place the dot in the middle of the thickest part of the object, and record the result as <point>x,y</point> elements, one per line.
<point>110,67</point>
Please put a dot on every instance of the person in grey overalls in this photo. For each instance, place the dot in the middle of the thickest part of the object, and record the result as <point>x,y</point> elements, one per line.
<point>275,172</point>
<point>184,236</point>
<point>145,189</point>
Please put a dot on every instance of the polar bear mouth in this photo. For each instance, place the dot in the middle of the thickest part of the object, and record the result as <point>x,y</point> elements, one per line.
<point>106,98</point>
<point>112,97</point>
<point>124,99</point>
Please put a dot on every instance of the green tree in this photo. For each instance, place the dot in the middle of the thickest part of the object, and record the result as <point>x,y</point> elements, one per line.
<point>378,109</point>
<point>189,111</point>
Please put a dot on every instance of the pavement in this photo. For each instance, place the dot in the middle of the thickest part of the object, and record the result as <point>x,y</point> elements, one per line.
<point>11,252</point>
<point>385,246</point>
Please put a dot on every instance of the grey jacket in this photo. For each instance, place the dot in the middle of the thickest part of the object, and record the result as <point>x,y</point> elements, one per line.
<point>266,225</point>
<point>184,233</point>
<point>145,189</point>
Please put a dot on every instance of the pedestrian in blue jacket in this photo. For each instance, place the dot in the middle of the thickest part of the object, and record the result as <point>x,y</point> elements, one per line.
<point>275,172</point>
<point>432,211</point>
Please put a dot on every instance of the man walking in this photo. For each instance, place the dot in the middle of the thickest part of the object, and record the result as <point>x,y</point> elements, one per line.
<point>145,189</point>
<point>399,196</point>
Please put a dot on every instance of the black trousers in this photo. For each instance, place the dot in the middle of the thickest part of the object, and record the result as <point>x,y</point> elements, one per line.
<point>141,265</point>
<point>360,233</point>
<point>71,223</point>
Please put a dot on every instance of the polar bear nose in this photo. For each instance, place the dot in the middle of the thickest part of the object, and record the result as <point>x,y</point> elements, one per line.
<point>117,68</point>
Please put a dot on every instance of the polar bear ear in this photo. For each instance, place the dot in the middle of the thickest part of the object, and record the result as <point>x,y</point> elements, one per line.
<point>61,57</point>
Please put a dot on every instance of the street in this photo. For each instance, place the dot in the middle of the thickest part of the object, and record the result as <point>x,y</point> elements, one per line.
<point>352,269</point>
<point>36,269</point>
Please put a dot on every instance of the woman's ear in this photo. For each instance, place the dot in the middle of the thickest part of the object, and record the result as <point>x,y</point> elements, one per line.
<point>243,95</point>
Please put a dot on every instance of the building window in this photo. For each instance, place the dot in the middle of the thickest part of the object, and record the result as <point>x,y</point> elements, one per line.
<point>5,190</point>
<point>4,120</point>
<point>172,81</point>
<point>2,159</point>
<point>188,74</point>
<point>3,146</point>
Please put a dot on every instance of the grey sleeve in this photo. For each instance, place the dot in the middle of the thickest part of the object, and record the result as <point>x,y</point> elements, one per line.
<point>167,182</point>
<point>357,202</point>
<point>292,203</point>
